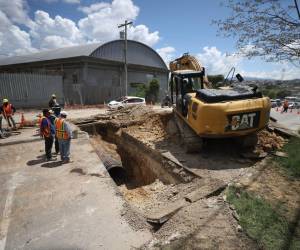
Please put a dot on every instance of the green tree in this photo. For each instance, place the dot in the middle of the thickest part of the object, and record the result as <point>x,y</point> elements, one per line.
<point>272,93</point>
<point>283,93</point>
<point>265,28</point>
<point>152,91</point>
<point>140,89</point>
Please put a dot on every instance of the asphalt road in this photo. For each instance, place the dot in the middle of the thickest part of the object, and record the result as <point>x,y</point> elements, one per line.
<point>290,120</point>
<point>53,206</point>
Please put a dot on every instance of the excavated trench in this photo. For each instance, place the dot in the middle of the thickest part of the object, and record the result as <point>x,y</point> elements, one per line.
<point>128,160</point>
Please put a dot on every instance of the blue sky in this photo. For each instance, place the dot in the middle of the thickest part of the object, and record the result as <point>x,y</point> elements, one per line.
<point>170,27</point>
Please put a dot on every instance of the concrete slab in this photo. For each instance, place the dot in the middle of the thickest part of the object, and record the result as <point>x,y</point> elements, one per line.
<point>46,205</point>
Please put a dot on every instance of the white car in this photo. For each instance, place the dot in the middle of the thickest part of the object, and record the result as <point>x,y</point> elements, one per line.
<point>294,105</point>
<point>126,101</point>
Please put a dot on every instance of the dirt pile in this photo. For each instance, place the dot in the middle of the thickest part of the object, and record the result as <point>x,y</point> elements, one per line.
<point>151,131</point>
<point>128,115</point>
<point>269,141</point>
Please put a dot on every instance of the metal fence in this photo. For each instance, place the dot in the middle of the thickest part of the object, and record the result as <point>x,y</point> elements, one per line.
<point>26,90</point>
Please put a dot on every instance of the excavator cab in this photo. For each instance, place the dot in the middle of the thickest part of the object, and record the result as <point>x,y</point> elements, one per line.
<point>182,84</point>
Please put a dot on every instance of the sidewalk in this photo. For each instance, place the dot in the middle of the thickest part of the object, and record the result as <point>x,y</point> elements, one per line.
<point>46,205</point>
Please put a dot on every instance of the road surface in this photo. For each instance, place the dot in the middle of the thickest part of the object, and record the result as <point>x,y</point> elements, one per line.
<point>53,206</point>
<point>290,120</point>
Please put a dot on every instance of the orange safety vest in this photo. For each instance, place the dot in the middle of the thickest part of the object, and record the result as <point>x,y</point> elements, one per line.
<point>46,130</point>
<point>7,110</point>
<point>61,133</point>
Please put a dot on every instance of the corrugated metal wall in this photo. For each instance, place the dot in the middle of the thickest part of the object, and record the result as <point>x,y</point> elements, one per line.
<point>30,90</point>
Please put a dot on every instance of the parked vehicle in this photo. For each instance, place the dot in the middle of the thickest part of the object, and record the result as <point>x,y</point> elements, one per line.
<point>294,105</point>
<point>126,101</point>
<point>166,102</point>
<point>274,103</point>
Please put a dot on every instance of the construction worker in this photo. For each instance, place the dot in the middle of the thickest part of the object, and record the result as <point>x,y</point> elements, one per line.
<point>285,106</point>
<point>52,101</point>
<point>52,118</point>
<point>56,109</point>
<point>8,111</point>
<point>47,131</point>
<point>1,117</point>
<point>1,132</point>
<point>63,134</point>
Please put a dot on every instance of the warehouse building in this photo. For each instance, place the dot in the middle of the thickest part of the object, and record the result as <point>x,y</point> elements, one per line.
<point>93,73</point>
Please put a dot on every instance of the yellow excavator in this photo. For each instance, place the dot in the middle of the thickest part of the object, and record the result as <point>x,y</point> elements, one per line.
<point>234,110</point>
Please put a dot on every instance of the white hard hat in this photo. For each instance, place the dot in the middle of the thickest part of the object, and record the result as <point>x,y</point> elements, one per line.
<point>64,113</point>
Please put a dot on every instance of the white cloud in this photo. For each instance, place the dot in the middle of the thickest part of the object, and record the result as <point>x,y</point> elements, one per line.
<point>12,39</point>
<point>47,32</point>
<point>280,73</point>
<point>72,1</point>
<point>217,62</point>
<point>95,8</point>
<point>167,53</point>
<point>65,1</point>
<point>103,19</point>
<point>15,10</point>
<point>141,33</point>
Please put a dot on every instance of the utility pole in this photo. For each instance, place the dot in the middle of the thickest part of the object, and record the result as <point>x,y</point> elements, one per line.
<point>125,52</point>
<point>297,8</point>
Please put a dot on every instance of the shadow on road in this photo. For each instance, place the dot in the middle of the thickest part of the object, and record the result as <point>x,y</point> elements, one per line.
<point>51,164</point>
<point>35,162</point>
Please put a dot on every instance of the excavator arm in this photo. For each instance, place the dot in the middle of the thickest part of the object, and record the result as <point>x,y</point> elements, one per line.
<point>188,62</point>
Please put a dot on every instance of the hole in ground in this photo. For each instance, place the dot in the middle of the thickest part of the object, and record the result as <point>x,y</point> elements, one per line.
<point>127,162</point>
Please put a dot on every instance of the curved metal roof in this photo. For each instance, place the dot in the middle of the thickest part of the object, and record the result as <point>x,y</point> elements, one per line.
<point>66,52</point>
<point>137,53</point>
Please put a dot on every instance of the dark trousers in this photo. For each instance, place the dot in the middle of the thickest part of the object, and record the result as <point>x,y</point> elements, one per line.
<point>48,146</point>
<point>56,146</point>
<point>11,122</point>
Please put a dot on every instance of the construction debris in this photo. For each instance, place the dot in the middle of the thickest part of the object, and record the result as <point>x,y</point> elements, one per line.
<point>269,141</point>
<point>281,154</point>
<point>205,191</point>
<point>161,215</point>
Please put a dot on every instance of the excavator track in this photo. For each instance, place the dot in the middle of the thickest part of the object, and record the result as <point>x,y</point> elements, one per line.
<point>190,140</point>
<point>248,141</point>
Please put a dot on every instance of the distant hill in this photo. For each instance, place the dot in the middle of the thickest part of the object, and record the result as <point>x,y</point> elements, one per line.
<point>249,78</point>
<point>272,81</point>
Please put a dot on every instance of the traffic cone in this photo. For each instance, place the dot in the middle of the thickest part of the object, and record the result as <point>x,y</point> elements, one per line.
<point>22,123</point>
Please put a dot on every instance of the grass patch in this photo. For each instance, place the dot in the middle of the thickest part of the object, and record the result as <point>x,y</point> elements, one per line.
<point>260,221</point>
<point>292,163</point>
